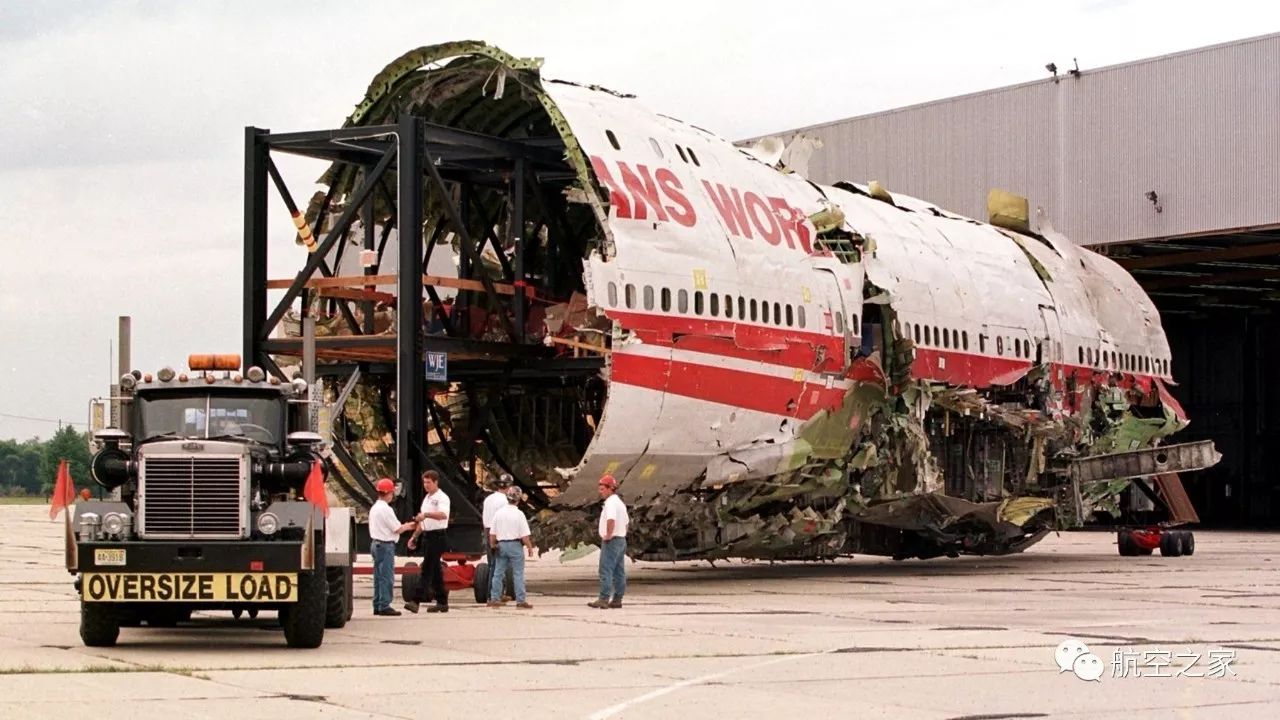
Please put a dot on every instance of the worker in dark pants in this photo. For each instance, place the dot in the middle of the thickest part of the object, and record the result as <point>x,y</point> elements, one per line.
<point>433,521</point>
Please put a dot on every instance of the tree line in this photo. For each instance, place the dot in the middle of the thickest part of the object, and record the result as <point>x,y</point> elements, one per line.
<point>29,467</point>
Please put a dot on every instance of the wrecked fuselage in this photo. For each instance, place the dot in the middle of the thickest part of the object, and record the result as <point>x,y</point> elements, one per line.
<point>771,368</point>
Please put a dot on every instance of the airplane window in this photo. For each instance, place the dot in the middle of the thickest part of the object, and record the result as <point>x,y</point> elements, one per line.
<point>1000,345</point>
<point>800,314</point>
<point>839,322</point>
<point>728,306</point>
<point>715,305</point>
<point>742,308</point>
<point>683,300</point>
<point>753,310</point>
<point>1081,355</point>
<point>694,158</point>
<point>648,297</point>
<point>946,338</point>
<point>657,149</point>
<point>790,317</point>
<point>666,299</point>
<point>764,312</point>
<point>681,151</point>
<point>613,139</point>
<point>777,313</point>
<point>982,343</point>
<point>630,295</point>
<point>916,331</point>
<point>964,338</point>
<point>697,302</point>
<point>613,294</point>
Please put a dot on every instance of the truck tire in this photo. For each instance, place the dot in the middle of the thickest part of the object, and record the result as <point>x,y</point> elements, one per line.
<point>99,624</point>
<point>1125,543</point>
<point>338,602</point>
<point>480,583</point>
<point>304,620</point>
<point>1188,542</point>
<point>408,582</point>
<point>1171,543</point>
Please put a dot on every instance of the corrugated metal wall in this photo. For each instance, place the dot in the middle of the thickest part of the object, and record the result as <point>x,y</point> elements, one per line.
<point>1200,128</point>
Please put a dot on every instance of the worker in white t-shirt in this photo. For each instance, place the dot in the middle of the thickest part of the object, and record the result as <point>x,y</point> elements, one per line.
<point>613,546</point>
<point>433,521</point>
<point>510,531</point>
<point>494,502</point>
<point>384,530</point>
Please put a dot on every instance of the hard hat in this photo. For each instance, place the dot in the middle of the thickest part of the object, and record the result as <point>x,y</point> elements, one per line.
<point>504,480</point>
<point>514,494</point>
<point>609,481</point>
<point>385,485</point>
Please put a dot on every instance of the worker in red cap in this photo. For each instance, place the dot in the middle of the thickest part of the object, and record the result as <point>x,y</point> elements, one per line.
<point>384,530</point>
<point>613,546</point>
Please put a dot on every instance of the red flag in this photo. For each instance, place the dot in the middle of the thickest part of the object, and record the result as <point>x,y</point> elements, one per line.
<point>313,491</point>
<point>64,490</point>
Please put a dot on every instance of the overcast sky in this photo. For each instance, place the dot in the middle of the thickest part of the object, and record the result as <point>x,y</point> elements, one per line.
<point>121,125</point>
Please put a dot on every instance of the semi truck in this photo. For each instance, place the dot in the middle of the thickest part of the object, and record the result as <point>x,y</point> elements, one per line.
<point>216,502</point>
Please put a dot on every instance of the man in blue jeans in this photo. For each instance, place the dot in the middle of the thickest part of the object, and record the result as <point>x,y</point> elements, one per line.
<point>384,529</point>
<point>509,532</point>
<point>613,546</point>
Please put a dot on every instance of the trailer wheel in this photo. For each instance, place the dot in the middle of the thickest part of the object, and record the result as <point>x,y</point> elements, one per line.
<point>1125,543</point>
<point>409,582</point>
<point>99,624</point>
<point>1188,542</point>
<point>480,582</point>
<point>1171,543</point>
<point>304,620</point>
<point>338,603</point>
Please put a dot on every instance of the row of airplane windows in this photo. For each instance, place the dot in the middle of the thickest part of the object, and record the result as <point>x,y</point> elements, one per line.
<point>1125,362</point>
<point>930,335</point>
<point>719,305</point>
<point>947,338</point>
<point>686,154</point>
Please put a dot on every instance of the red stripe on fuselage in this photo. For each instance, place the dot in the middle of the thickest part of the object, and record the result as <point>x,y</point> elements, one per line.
<point>727,386</point>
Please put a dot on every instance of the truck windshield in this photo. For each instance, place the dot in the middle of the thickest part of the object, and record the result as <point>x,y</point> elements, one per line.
<point>257,418</point>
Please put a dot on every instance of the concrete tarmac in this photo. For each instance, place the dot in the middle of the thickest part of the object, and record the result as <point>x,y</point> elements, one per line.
<point>864,637</point>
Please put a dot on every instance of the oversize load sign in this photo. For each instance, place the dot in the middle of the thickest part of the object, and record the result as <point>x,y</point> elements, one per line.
<point>189,587</point>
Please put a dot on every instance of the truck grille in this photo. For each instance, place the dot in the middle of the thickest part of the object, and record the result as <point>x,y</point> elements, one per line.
<point>191,497</point>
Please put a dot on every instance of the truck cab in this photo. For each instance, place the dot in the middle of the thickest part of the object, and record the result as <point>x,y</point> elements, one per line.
<point>216,502</point>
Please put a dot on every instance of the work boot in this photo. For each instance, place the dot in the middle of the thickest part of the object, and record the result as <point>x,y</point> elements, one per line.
<point>411,607</point>
<point>494,604</point>
<point>438,608</point>
<point>600,604</point>
<point>615,604</point>
<point>524,606</point>
<point>507,598</point>
<point>387,611</point>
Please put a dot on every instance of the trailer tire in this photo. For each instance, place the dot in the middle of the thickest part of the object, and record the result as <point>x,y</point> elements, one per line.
<point>338,602</point>
<point>1188,542</point>
<point>1171,543</point>
<point>480,582</point>
<point>99,624</point>
<point>304,620</point>
<point>1125,544</point>
<point>408,582</point>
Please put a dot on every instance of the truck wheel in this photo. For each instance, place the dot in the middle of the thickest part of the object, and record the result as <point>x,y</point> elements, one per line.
<point>480,582</point>
<point>304,620</point>
<point>339,597</point>
<point>99,625</point>
<point>1171,543</point>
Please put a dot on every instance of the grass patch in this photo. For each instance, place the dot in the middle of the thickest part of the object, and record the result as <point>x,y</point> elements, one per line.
<point>5,500</point>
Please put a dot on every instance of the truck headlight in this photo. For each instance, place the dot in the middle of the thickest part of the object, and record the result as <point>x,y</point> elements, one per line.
<point>89,524</point>
<point>268,523</point>
<point>113,524</point>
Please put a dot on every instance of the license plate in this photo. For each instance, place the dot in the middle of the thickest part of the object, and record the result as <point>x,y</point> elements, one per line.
<point>114,556</point>
<point>190,587</point>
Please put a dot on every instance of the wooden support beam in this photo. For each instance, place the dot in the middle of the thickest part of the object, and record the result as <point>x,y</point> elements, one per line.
<point>360,281</point>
